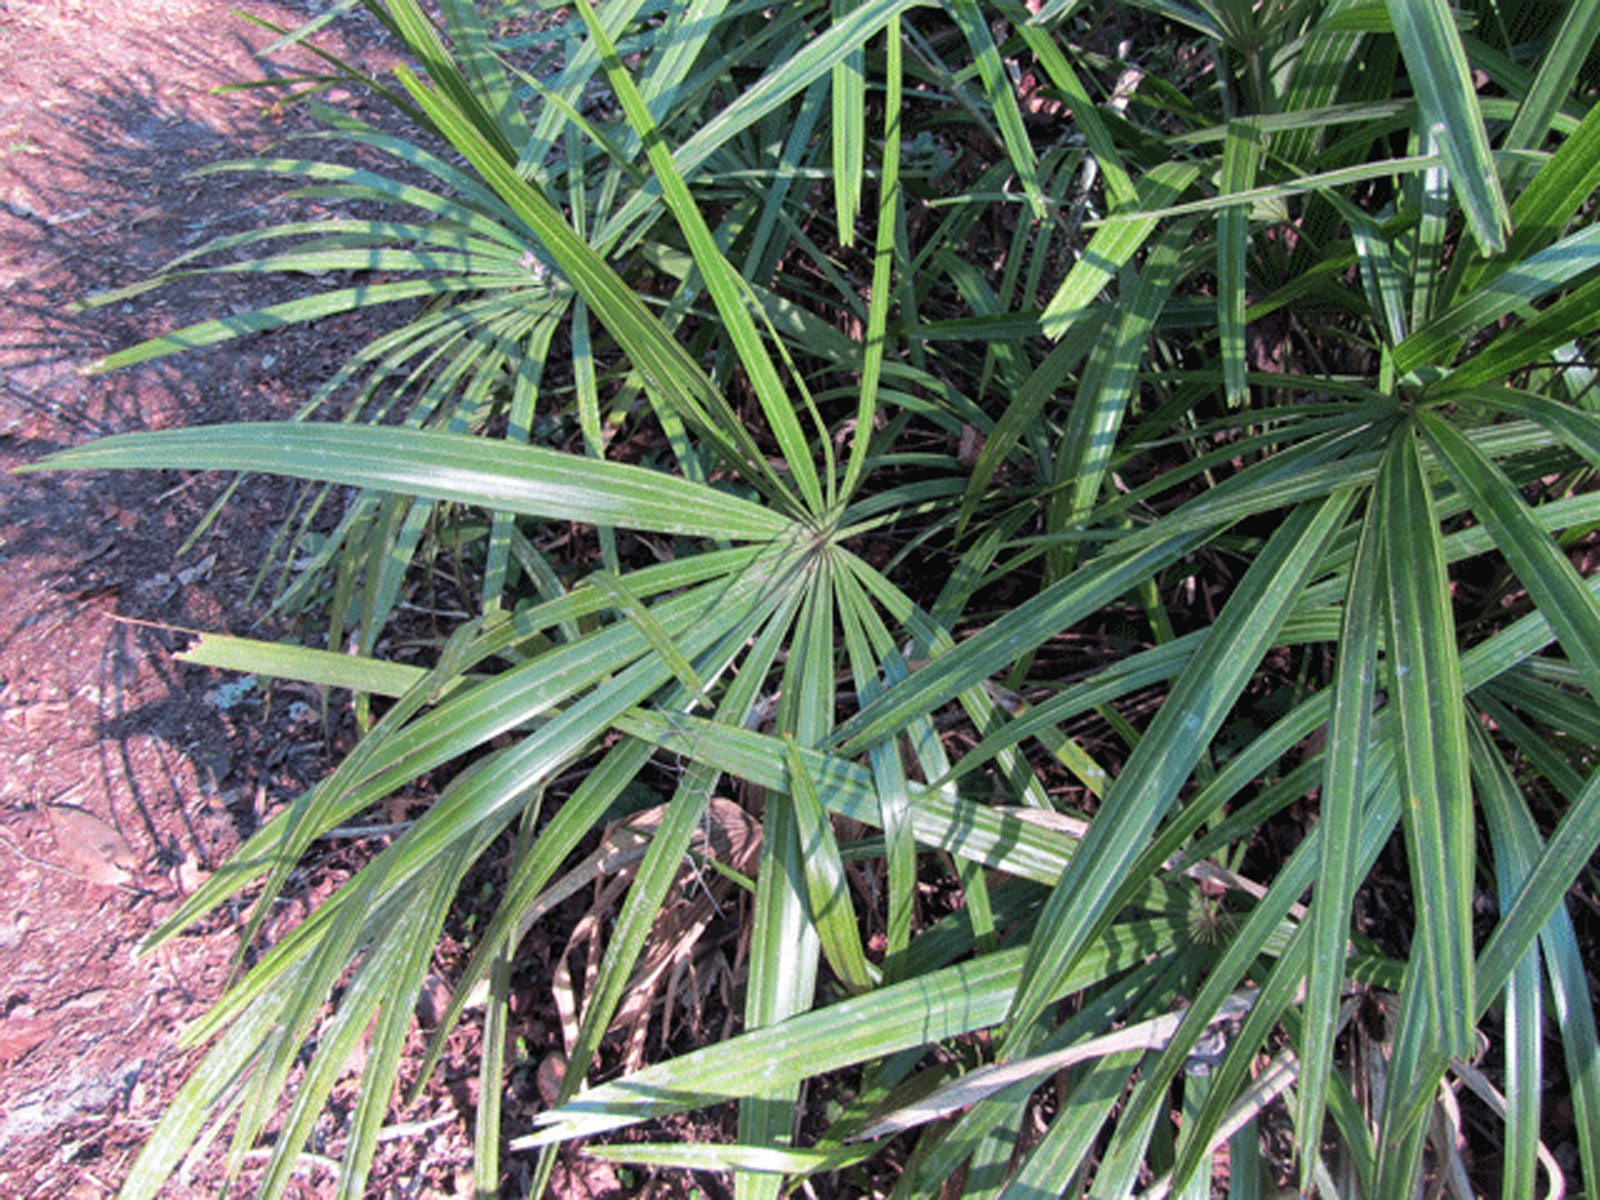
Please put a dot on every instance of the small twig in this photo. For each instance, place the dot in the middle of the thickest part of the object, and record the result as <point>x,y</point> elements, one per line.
<point>5,839</point>
<point>393,1133</point>
<point>968,1089</point>
<point>302,1161</point>
<point>175,489</point>
<point>164,626</point>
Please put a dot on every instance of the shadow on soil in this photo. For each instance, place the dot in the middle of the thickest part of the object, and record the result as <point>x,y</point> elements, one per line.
<point>100,194</point>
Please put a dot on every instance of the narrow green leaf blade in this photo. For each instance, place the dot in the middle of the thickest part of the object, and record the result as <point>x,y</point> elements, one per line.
<point>1514,855</point>
<point>1571,846</point>
<point>1168,751</point>
<point>1437,65</point>
<point>918,1012</point>
<point>441,466</point>
<point>1241,155</point>
<point>325,668</point>
<point>1002,99</point>
<point>1551,579</point>
<point>1113,245</point>
<point>849,143</point>
<point>728,290</point>
<point>827,889</point>
<point>885,243</point>
<point>1512,290</point>
<point>1563,60</point>
<point>1344,789</point>
<point>1432,749</point>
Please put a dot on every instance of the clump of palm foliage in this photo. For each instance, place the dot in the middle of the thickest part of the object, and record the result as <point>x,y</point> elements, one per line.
<point>928,381</point>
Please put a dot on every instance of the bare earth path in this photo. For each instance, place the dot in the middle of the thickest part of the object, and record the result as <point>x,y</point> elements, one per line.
<point>123,775</point>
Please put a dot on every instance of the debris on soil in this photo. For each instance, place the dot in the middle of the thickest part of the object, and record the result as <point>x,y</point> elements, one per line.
<point>122,781</point>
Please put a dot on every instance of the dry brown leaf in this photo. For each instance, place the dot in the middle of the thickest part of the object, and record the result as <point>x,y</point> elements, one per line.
<point>726,834</point>
<point>552,1070</point>
<point>89,846</point>
<point>42,716</point>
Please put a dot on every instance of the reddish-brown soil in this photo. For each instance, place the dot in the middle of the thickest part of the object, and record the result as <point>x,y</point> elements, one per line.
<point>125,776</point>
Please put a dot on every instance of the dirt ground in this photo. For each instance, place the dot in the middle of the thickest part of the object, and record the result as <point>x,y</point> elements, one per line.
<point>125,776</point>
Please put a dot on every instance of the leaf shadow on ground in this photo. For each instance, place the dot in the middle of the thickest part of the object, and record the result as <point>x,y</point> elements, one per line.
<point>103,117</point>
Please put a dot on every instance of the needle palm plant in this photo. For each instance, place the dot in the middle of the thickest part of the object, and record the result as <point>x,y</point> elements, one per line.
<point>1272,359</point>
